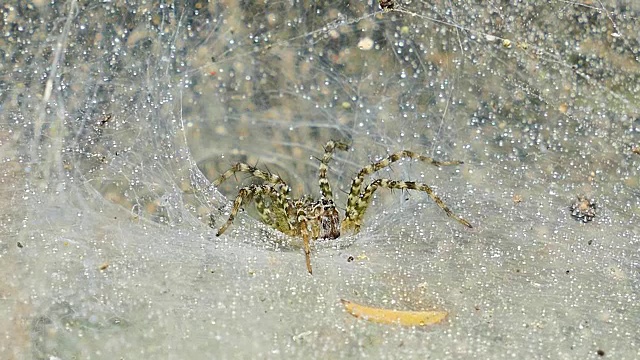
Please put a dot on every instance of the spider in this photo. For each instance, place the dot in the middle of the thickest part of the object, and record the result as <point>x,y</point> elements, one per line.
<point>314,219</point>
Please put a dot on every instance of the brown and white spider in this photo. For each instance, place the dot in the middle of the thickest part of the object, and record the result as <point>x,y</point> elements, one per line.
<point>318,219</point>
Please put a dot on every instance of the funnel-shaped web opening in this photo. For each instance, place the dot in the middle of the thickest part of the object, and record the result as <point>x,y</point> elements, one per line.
<point>118,116</point>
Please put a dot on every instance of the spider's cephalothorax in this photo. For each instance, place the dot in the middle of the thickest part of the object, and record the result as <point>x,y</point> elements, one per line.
<point>318,219</point>
<point>328,220</point>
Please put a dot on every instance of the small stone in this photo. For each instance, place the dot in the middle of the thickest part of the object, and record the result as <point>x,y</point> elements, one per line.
<point>365,44</point>
<point>583,209</point>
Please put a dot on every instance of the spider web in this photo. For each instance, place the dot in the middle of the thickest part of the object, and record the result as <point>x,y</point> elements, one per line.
<point>116,116</point>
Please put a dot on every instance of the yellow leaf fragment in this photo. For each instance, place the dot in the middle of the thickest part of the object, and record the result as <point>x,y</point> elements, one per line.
<point>386,316</point>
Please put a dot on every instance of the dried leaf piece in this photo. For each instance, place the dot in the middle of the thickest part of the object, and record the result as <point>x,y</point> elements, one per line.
<point>386,316</point>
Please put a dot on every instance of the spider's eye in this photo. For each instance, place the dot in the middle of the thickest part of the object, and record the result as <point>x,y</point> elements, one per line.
<point>327,204</point>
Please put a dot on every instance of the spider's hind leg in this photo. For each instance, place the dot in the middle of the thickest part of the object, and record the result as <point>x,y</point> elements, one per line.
<point>356,206</point>
<point>356,184</point>
<point>356,212</point>
<point>329,148</point>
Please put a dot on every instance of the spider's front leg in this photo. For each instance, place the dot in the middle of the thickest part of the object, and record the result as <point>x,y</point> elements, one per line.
<point>304,231</point>
<point>245,168</point>
<point>329,148</point>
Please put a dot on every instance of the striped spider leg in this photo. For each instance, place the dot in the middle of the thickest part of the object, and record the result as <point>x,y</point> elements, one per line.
<point>358,201</point>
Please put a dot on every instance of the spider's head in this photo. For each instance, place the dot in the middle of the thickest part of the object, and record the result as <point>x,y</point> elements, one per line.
<point>328,219</point>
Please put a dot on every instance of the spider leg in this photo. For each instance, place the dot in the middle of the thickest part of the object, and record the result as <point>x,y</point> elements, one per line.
<point>277,214</point>
<point>325,187</point>
<point>285,221</point>
<point>307,248</point>
<point>265,213</point>
<point>356,184</point>
<point>354,216</point>
<point>245,195</point>
<point>246,168</point>
<point>302,223</point>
